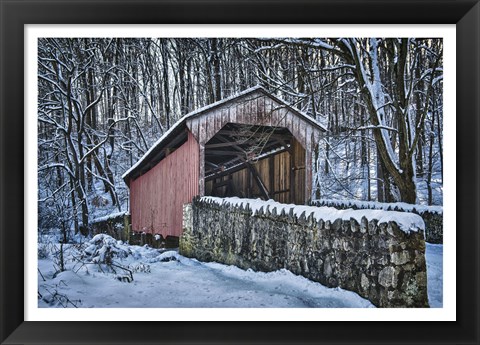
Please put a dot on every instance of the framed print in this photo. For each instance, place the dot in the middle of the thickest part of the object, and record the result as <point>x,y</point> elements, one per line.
<point>231,148</point>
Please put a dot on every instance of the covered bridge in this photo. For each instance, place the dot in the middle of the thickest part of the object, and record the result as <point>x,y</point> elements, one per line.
<point>251,145</point>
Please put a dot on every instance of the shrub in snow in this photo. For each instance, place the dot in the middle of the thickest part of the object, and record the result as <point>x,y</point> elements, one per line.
<point>43,251</point>
<point>103,249</point>
<point>139,267</point>
<point>124,278</point>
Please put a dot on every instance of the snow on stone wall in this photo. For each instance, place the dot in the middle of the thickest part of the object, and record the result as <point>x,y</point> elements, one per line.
<point>432,215</point>
<point>118,225</point>
<point>115,225</point>
<point>365,252</point>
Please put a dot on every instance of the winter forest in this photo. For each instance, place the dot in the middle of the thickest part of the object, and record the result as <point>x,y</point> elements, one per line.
<point>102,103</point>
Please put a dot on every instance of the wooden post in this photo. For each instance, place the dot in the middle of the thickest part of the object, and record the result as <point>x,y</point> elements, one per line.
<point>249,183</point>
<point>258,180</point>
<point>126,228</point>
<point>201,176</point>
<point>292,188</point>
<point>271,173</point>
<point>308,173</point>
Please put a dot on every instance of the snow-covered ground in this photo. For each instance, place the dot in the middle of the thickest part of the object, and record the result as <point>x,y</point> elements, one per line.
<point>167,279</point>
<point>434,257</point>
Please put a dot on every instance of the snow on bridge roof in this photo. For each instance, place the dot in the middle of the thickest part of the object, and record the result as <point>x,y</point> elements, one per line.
<point>181,123</point>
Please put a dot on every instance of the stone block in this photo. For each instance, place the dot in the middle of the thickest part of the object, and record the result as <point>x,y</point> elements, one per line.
<point>363,225</point>
<point>364,283</point>
<point>354,225</point>
<point>321,224</point>
<point>346,226</point>
<point>328,225</point>
<point>372,227</point>
<point>400,258</point>
<point>389,277</point>
<point>337,225</point>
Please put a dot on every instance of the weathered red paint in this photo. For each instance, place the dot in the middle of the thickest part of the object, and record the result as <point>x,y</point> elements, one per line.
<point>157,197</point>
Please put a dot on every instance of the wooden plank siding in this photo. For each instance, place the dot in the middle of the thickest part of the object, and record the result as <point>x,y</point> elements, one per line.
<point>157,196</point>
<point>256,109</point>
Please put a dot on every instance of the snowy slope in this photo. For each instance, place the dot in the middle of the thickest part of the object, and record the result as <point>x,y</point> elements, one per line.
<point>167,279</point>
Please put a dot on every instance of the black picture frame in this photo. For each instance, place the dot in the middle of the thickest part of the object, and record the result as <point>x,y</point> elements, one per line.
<point>15,14</point>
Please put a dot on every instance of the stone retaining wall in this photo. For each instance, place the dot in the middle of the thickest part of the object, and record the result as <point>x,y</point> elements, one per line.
<point>432,215</point>
<point>377,260</point>
<point>116,225</point>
